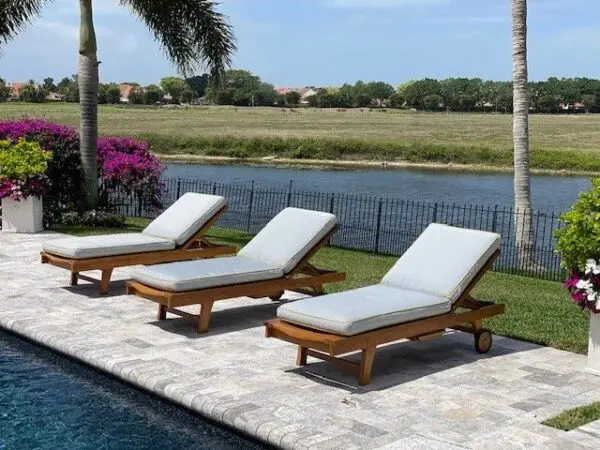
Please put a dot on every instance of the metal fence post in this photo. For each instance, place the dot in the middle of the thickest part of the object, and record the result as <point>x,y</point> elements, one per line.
<point>250,207</point>
<point>289,195</point>
<point>435,208</point>
<point>331,201</point>
<point>494,219</point>
<point>214,188</point>
<point>378,230</point>
<point>178,188</point>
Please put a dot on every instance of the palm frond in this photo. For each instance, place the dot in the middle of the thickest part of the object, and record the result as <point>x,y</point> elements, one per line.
<point>192,32</point>
<point>15,14</point>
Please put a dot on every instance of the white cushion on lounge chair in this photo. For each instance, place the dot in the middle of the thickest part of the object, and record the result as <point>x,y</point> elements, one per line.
<point>288,237</point>
<point>443,260</point>
<point>108,245</point>
<point>185,217</point>
<point>359,310</point>
<point>201,274</point>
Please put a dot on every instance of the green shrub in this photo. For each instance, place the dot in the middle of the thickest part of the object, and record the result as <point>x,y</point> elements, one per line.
<point>100,219</point>
<point>579,240</point>
<point>22,160</point>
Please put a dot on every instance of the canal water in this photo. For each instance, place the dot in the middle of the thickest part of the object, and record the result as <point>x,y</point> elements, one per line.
<point>549,192</point>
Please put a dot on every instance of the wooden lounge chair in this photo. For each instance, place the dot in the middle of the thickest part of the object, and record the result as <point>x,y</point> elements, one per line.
<point>176,235</point>
<point>275,260</point>
<point>425,293</point>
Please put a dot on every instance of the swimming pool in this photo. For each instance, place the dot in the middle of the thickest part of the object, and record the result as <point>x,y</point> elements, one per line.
<point>50,402</point>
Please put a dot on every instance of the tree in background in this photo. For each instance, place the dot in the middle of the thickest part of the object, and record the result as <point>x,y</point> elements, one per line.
<point>49,85</point>
<point>589,101</point>
<point>137,96</point>
<point>198,83</point>
<point>522,180</point>
<point>241,88</point>
<point>109,93</point>
<point>173,86</point>
<point>32,93</point>
<point>190,32</point>
<point>4,91</point>
<point>188,95</point>
<point>153,94</point>
<point>292,98</point>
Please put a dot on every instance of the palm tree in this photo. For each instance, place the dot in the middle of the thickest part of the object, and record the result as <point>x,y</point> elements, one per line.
<point>522,180</point>
<point>189,31</point>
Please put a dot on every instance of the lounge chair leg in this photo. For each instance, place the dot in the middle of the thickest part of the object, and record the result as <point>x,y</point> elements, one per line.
<point>366,365</point>
<point>162,312</point>
<point>301,356</point>
<point>74,278</point>
<point>105,283</point>
<point>204,320</point>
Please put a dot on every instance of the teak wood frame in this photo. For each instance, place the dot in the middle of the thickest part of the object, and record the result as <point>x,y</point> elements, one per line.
<point>197,247</point>
<point>466,315</point>
<point>304,278</point>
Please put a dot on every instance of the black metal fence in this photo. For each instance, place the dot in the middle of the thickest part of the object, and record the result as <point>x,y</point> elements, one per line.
<point>373,224</point>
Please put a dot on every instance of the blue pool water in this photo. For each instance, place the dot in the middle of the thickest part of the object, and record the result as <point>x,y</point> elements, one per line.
<point>50,402</point>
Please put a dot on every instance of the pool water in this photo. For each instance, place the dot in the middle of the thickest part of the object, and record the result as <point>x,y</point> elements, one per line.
<point>50,402</point>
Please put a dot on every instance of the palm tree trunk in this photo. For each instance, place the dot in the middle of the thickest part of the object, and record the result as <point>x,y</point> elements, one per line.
<point>522,180</point>
<point>88,95</point>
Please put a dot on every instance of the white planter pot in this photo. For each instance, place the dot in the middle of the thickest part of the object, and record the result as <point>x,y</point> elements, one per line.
<point>25,216</point>
<point>593,362</point>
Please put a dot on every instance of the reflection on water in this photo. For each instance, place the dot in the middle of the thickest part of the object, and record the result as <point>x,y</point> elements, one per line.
<point>549,192</point>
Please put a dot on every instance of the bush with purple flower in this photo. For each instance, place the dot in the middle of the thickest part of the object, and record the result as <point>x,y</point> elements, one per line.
<point>125,165</point>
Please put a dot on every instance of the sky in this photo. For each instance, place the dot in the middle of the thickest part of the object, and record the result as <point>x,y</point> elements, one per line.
<point>299,43</point>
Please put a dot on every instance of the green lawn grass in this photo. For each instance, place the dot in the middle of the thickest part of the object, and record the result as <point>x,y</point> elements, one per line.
<point>557,141</point>
<point>536,310</point>
<point>575,418</point>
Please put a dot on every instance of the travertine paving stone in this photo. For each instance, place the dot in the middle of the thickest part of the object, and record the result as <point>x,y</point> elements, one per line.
<point>424,396</point>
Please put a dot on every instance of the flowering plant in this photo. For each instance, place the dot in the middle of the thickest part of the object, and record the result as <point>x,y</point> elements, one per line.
<point>127,166</point>
<point>584,286</point>
<point>578,243</point>
<point>124,165</point>
<point>23,168</point>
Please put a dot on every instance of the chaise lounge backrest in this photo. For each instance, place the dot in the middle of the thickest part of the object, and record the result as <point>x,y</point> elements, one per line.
<point>288,237</point>
<point>185,217</point>
<point>443,261</point>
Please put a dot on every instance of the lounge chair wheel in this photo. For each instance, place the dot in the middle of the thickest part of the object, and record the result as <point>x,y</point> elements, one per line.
<point>276,297</point>
<point>483,341</point>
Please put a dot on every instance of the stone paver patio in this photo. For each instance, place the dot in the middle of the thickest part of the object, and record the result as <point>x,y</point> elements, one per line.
<point>436,395</point>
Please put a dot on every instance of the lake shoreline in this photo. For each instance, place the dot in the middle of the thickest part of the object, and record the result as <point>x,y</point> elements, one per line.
<point>309,164</point>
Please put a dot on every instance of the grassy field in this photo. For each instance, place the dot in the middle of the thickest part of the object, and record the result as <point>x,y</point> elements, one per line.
<point>537,311</point>
<point>557,142</point>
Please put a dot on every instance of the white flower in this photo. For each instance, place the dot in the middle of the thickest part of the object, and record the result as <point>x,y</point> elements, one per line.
<point>598,304</point>
<point>592,267</point>
<point>584,285</point>
<point>592,296</point>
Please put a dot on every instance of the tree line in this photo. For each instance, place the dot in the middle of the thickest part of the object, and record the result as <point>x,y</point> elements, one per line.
<point>243,88</point>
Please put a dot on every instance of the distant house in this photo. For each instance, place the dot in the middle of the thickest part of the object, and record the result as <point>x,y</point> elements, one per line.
<point>54,97</point>
<point>15,90</point>
<point>305,93</point>
<point>285,90</point>
<point>126,92</point>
